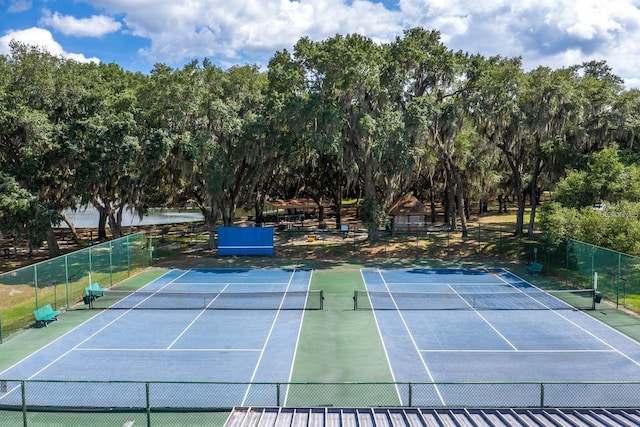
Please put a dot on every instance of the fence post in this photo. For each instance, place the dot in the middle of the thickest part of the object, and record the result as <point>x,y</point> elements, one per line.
<point>593,264</point>
<point>148,404</point>
<point>618,280</point>
<point>277,394</point>
<point>127,245</point>
<point>110,264</point>
<point>410,394</point>
<point>66,279</point>
<point>35,282</point>
<point>23,387</point>
<point>566,263</point>
<point>542,395</point>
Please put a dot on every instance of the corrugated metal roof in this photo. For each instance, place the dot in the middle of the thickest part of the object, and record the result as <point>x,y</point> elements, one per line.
<point>426,417</point>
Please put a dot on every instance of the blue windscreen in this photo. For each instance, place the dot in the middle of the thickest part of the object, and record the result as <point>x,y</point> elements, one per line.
<point>245,241</point>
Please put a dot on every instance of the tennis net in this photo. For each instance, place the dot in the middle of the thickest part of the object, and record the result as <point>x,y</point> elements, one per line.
<point>150,300</point>
<point>583,299</point>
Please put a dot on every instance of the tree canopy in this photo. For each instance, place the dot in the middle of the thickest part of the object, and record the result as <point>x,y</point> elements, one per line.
<point>342,117</point>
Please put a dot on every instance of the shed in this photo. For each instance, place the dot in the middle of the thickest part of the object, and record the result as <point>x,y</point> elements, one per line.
<point>408,214</point>
<point>292,210</point>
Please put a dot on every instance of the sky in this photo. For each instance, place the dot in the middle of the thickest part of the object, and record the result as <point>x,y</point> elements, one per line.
<point>136,34</point>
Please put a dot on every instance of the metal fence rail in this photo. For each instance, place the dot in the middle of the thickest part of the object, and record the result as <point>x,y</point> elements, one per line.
<point>33,401</point>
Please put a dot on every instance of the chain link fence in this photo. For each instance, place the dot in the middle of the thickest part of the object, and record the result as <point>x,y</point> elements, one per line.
<point>60,281</point>
<point>571,265</point>
<point>39,402</point>
<point>581,265</point>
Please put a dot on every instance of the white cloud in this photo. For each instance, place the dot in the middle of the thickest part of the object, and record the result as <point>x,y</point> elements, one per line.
<point>556,33</point>
<point>542,32</point>
<point>185,28</point>
<point>41,38</point>
<point>16,6</point>
<point>95,26</point>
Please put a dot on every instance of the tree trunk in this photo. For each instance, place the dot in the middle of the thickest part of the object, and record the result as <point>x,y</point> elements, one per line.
<point>102,224</point>
<point>451,197</point>
<point>52,243</point>
<point>72,227</point>
<point>432,200</point>
<point>534,197</point>
<point>521,204</point>
<point>460,200</point>
<point>370,197</point>
<point>213,222</point>
<point>338,207</point>
<point>115,223</point>
<point>258,207</point>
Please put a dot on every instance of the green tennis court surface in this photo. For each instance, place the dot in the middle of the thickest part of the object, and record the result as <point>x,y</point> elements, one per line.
<point>435,337</point>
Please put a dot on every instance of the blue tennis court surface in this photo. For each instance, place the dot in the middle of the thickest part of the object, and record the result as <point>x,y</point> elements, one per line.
<point>173,345</point>
<point>438,328</point>
<point>499,342</point>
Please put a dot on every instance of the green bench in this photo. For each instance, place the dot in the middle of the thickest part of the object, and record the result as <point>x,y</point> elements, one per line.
<point>44,314</point>
<point>535,268</point>
<point>94,290</point>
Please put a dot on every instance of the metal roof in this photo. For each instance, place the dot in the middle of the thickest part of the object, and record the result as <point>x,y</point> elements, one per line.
<point>426,417</point>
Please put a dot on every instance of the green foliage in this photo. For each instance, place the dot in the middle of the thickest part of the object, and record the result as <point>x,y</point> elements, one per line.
<point>337,118</point>
<point>617,227</point>
<point>373,215</point>
<point>16,204</point>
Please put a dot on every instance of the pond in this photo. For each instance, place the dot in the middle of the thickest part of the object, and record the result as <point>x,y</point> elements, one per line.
<point>88,217</point>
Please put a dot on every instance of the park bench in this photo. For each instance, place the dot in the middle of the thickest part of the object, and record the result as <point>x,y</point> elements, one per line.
<point>44,314</point>
<point>94,290</point>
<point>535,268</point>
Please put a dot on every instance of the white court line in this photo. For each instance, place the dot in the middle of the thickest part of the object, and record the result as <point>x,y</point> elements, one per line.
<point>171,350</point>
<point>229,283</point>
<point>204,310</point>
<point>264,347</point>
<point>557,313</point>
<point>519,351</point>
<point>485,320</point>
<point>295,351</point>
<point>413,341</point>
<point>462,284</point>
<point>384,346</point>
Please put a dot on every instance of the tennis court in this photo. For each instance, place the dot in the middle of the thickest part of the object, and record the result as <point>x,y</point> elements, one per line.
<point>163,333</point>
<point>207,338</point>
<point>476,326</point>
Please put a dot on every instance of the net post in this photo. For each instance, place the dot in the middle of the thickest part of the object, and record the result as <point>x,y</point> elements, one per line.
<point>355,299</point>
<point>321,300</point>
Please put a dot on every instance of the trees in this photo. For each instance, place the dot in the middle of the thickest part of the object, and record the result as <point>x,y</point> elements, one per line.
<point>32,135</point>
<point>433,98</point>
<point>614,185</point>
<point>351,80</point>
<point>232,172</point>
<point>494,105</point>
<point>110,150</point>
<point>345,116</point>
